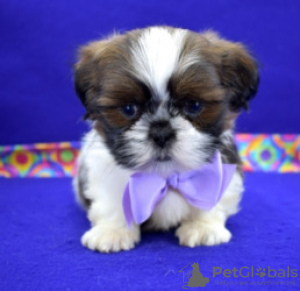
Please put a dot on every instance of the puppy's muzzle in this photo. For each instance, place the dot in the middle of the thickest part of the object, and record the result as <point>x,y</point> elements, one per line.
<point>161,133</point>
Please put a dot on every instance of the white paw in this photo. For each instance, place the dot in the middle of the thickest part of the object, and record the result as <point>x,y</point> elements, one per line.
<point>110,238</point>
<point>193,234</point>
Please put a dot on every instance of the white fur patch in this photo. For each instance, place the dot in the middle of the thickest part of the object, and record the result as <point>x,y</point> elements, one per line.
<point>227,137</point>
<point>156,56</point>
<point>189,150</point>
<point>170,211</point>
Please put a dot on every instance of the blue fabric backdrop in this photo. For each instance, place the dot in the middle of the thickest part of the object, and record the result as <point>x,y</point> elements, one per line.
<point>40,229</point>
<point>39,40</point>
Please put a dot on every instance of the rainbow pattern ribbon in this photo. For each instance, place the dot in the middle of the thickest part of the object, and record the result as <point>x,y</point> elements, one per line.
<point>259,152</point>
<point>269,152</point>
<point>39,160</point>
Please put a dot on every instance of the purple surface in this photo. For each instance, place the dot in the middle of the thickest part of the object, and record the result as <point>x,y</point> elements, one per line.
<point>39,40</point>
<point>41,225</point>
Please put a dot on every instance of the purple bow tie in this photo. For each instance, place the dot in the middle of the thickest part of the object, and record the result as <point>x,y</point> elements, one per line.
<point>201,188</point>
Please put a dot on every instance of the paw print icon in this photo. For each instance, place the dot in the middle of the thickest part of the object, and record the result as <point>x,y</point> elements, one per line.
<point>261,272</point>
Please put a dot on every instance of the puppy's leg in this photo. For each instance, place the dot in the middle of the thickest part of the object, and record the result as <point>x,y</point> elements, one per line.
<point>109,232</point>
<point>99,186</point>
<point>208,227</point>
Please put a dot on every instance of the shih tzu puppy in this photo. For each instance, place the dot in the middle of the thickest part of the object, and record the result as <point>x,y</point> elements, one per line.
<point>163,103</point>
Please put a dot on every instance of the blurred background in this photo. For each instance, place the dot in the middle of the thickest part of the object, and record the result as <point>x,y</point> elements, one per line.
<point>39,40</point>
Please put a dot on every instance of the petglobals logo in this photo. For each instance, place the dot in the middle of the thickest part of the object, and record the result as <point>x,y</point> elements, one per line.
<point>251,272</point>
<point>193,278</point>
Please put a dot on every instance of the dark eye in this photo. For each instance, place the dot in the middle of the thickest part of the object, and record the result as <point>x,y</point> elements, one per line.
<point>129,111</point>
<point>192,108</point>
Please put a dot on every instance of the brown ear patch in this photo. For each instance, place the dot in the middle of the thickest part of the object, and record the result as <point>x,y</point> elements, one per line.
<point>88,74</point>
<point>237,69</point>
<point>104,82</point>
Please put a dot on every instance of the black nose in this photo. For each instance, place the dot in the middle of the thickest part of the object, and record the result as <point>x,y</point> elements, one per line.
<point>161,133</point>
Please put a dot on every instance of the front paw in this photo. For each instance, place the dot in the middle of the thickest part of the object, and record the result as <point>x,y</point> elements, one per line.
<point>108,238</point>
<point>193,234</point>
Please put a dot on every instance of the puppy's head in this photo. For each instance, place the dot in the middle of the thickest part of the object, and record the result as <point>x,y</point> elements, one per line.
<point>162,97</point>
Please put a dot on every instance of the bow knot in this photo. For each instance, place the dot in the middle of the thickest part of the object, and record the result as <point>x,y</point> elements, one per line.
<point>202,188</point>
<point>173,180</point>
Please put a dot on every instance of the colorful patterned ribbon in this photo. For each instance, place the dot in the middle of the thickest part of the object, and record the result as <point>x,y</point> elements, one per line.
<point>270,152</point>
<point>259,152</point>
<point>39,160</point>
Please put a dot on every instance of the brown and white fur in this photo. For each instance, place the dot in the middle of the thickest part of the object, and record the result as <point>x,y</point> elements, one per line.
<point>160,99</point>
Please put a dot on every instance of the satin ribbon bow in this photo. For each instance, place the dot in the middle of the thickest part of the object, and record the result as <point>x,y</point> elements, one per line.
<point>201,188</point>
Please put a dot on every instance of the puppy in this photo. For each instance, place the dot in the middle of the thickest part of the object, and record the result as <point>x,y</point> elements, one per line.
<point>160,99</point>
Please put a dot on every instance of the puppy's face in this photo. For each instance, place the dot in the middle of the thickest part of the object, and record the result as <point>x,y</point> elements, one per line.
<point>162,97</point>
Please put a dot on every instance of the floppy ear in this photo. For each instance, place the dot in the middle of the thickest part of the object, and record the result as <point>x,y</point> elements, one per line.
<point>238,71</point>
<point>87,76</point>
<point>239,75</point>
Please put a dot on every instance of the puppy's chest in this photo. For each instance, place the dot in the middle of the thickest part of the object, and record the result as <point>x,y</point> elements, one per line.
<point>170,211</point>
